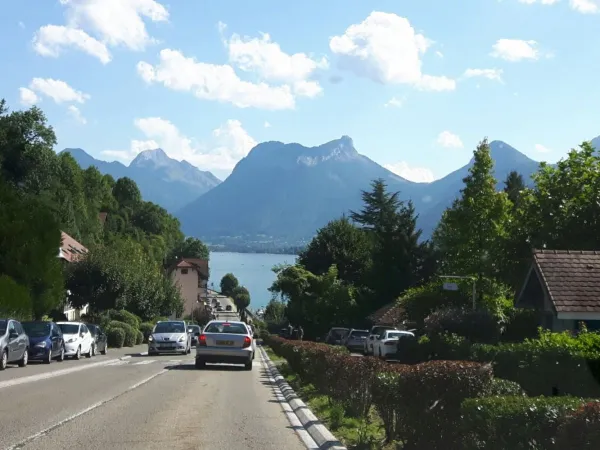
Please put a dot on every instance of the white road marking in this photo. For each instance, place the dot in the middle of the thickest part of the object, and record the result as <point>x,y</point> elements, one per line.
<point>148,361</point>
<point>45,431</point>
<point>118,363</point>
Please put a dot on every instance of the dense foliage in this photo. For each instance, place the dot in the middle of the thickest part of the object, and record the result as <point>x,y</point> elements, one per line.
<point>43,193</point>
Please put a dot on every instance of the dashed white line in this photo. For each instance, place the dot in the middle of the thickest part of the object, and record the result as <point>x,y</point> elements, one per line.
<point>148,361</point>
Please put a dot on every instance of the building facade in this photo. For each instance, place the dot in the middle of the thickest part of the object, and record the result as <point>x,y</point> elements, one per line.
<point>70,252</point>
<point>191,275</point>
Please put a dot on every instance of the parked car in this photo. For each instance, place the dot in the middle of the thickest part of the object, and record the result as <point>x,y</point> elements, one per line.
<point>355,340</point>
<point>45,341</point>
<point>194,331</point>
<point>251,332</point>
<point>225,343</point>
<point>100,338</point>
<point>386,343</point>
<point>14,344</point>
<point>170,336</point>
<point>78,339</point>
<point>336,335</point>
<point>375,331</point>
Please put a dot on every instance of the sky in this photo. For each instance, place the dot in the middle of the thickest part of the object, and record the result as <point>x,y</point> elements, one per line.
<point>415,83</point>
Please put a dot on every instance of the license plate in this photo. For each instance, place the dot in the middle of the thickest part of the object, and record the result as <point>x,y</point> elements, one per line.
<point>165,346</point>
<point>228,343</point>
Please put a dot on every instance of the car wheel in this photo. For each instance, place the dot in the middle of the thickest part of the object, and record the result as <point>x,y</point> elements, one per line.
<point>104,350</point>
<point>200,364</point>
<point>25,359</point>
<point>61,357</point>
<point>77,354</point>
<point>48,359</point>
<point>253,355</point>
<point>92,351</point>
<point>248,365</point>
<point>189,350</point>
<point>4,360</point>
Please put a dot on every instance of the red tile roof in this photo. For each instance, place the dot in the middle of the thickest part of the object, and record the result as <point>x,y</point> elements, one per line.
<point>70,250</point>
<point>571,278</point>
<point>200,264</point>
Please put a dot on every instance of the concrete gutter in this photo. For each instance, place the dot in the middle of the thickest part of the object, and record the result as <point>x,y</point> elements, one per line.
<point>315,428</point>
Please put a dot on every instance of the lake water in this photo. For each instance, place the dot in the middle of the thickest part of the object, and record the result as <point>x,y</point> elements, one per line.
<point>253,270</point>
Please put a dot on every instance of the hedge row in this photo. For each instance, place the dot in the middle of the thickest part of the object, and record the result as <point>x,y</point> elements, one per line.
<point>123,328</point>
<point>443,404</point>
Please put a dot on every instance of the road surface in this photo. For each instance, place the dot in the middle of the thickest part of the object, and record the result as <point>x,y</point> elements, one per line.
<point>143,403</point>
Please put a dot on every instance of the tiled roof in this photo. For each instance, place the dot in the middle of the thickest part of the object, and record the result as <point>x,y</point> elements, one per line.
<point>572,278</point>
<point>200,264</point>
<point>70,250</point>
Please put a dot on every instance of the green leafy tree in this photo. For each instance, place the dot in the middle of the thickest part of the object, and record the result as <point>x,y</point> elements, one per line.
<point>228,284</point>
<point>126,193</point>
<point>241,298</point>
<point>14,299</point>
<point>275,312</point>
<point>188,248</point>
<point>514,187</point>
<point>342,244</point>
<point>471,236</point>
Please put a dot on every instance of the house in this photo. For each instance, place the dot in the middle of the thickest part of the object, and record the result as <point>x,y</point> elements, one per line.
<point>564,287</point>
<point>191,275</point>
<point>70,252</point>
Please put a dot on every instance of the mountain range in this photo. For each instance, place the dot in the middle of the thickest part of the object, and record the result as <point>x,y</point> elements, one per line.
<point>282,193</point>
<point>162,180</point>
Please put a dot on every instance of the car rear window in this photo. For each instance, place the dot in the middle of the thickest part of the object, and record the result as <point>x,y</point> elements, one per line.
<point>224,327</point>
<point>360,333</point>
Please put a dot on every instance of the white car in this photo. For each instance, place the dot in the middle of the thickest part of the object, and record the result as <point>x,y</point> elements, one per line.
<point>386,343</point>
<point>251,331</point>
<point>78,339</point>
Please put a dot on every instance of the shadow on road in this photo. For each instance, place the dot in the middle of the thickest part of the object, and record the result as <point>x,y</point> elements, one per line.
<point>209,367</point>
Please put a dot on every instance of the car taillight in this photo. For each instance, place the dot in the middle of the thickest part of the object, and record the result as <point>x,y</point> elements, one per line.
<point>247,342</point>
<point>202,340</point>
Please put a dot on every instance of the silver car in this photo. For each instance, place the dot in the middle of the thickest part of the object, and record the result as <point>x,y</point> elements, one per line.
<point>225,342</point>
<point>170,337</point>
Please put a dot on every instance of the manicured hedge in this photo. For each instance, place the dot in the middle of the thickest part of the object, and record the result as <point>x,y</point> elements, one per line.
<point>115,337</point>
<point>130,332</point>
<point>580,430</point>
<point>146,328</point>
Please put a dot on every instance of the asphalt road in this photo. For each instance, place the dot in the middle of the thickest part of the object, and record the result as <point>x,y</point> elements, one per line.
<point>146,403</point>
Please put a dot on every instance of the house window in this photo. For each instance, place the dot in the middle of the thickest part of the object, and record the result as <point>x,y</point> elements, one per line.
<point>184,271</point>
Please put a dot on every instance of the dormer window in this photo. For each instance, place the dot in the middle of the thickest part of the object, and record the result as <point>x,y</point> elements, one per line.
<point>184,271</point>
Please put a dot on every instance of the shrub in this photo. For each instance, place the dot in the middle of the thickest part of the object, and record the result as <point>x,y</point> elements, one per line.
<point>580,430</point>
<point>503,388</point>
<point>115,337</point>
<point>130,332</point>
<point>146,329</point>
<point>139,338</point>
<point>125,317</point>
<point>516,423</point>
<point>475,325</point>
<point>521,324</point>
<point>159,319</point>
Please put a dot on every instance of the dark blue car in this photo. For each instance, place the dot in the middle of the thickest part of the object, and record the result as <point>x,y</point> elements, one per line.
<point>45,341</point>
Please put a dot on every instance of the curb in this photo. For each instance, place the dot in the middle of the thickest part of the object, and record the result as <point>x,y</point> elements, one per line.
<point>317,431</point>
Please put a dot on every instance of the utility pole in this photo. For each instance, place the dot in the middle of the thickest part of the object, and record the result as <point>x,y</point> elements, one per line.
<point>454,287</point>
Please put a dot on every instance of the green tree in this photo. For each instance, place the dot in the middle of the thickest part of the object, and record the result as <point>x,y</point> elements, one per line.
<point>340,243</point>
<point>126,193</point>
<point>241,298</point>
<point>275,312</point>
<point>514,187</point>
<point>228,284</point>
<point>188,248</point>
<point>14,299</point>
<point>472,234</point>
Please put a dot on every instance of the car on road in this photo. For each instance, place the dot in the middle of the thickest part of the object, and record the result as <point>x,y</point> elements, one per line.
<point>78,339</point>
<point>170,336</point>
<point>225,342</point>
<point>14,343</point>
<point>356,340</point>
<point>386,344</point>
<point>373,334</point>
<point>46,341</point>
<point>100,338</point>
<point>194,331</point>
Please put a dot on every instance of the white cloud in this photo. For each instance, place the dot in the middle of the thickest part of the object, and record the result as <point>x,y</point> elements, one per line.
<point>449,140</point>
<point>585,6</point>
<point>267,125</point>
<point>542,149</point>
<point>228,144</point>
<point>393,102</point>
<point>387,49</point>
<point>214,82</point>
<point>57,90</point>
<point>28,97</point>
<point>439,54</point>
<point>51,40</point>
<point>94,25</point>
<point>75,113</point>
<point>271,63</point>
<point>515,50</point>
<point>490,74</point>
<point>542,2</point>
<point>418,174</point>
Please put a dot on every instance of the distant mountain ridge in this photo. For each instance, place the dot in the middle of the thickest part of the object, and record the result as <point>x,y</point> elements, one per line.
<point>162,180</point>
<point>285,192</point>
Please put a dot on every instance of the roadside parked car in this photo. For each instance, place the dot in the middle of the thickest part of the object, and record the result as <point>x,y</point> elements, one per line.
<point>78,339</point>
<point>386,344</point>
<point>225,343</point>
<point>251,332</point>
<point>14,344</point>
<point>170,336</point>
<point>100,338</point>
<point>45,341</point>
<point>356,340</point>
<point>375,331</point>
<point>336,335</point>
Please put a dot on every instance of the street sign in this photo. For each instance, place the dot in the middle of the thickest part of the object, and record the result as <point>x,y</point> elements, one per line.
<point>450,287</point>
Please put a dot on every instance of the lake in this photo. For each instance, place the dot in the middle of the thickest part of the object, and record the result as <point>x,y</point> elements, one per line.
<point>253,270</point>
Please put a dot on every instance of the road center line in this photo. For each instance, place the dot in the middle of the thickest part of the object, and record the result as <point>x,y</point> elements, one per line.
<point>45,431</point>
<point>55,373</point>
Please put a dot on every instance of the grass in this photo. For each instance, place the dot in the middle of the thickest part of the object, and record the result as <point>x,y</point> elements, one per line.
<point>355,433</point>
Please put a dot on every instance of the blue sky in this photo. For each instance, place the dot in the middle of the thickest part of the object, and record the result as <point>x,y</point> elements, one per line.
<point>416,83</point>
